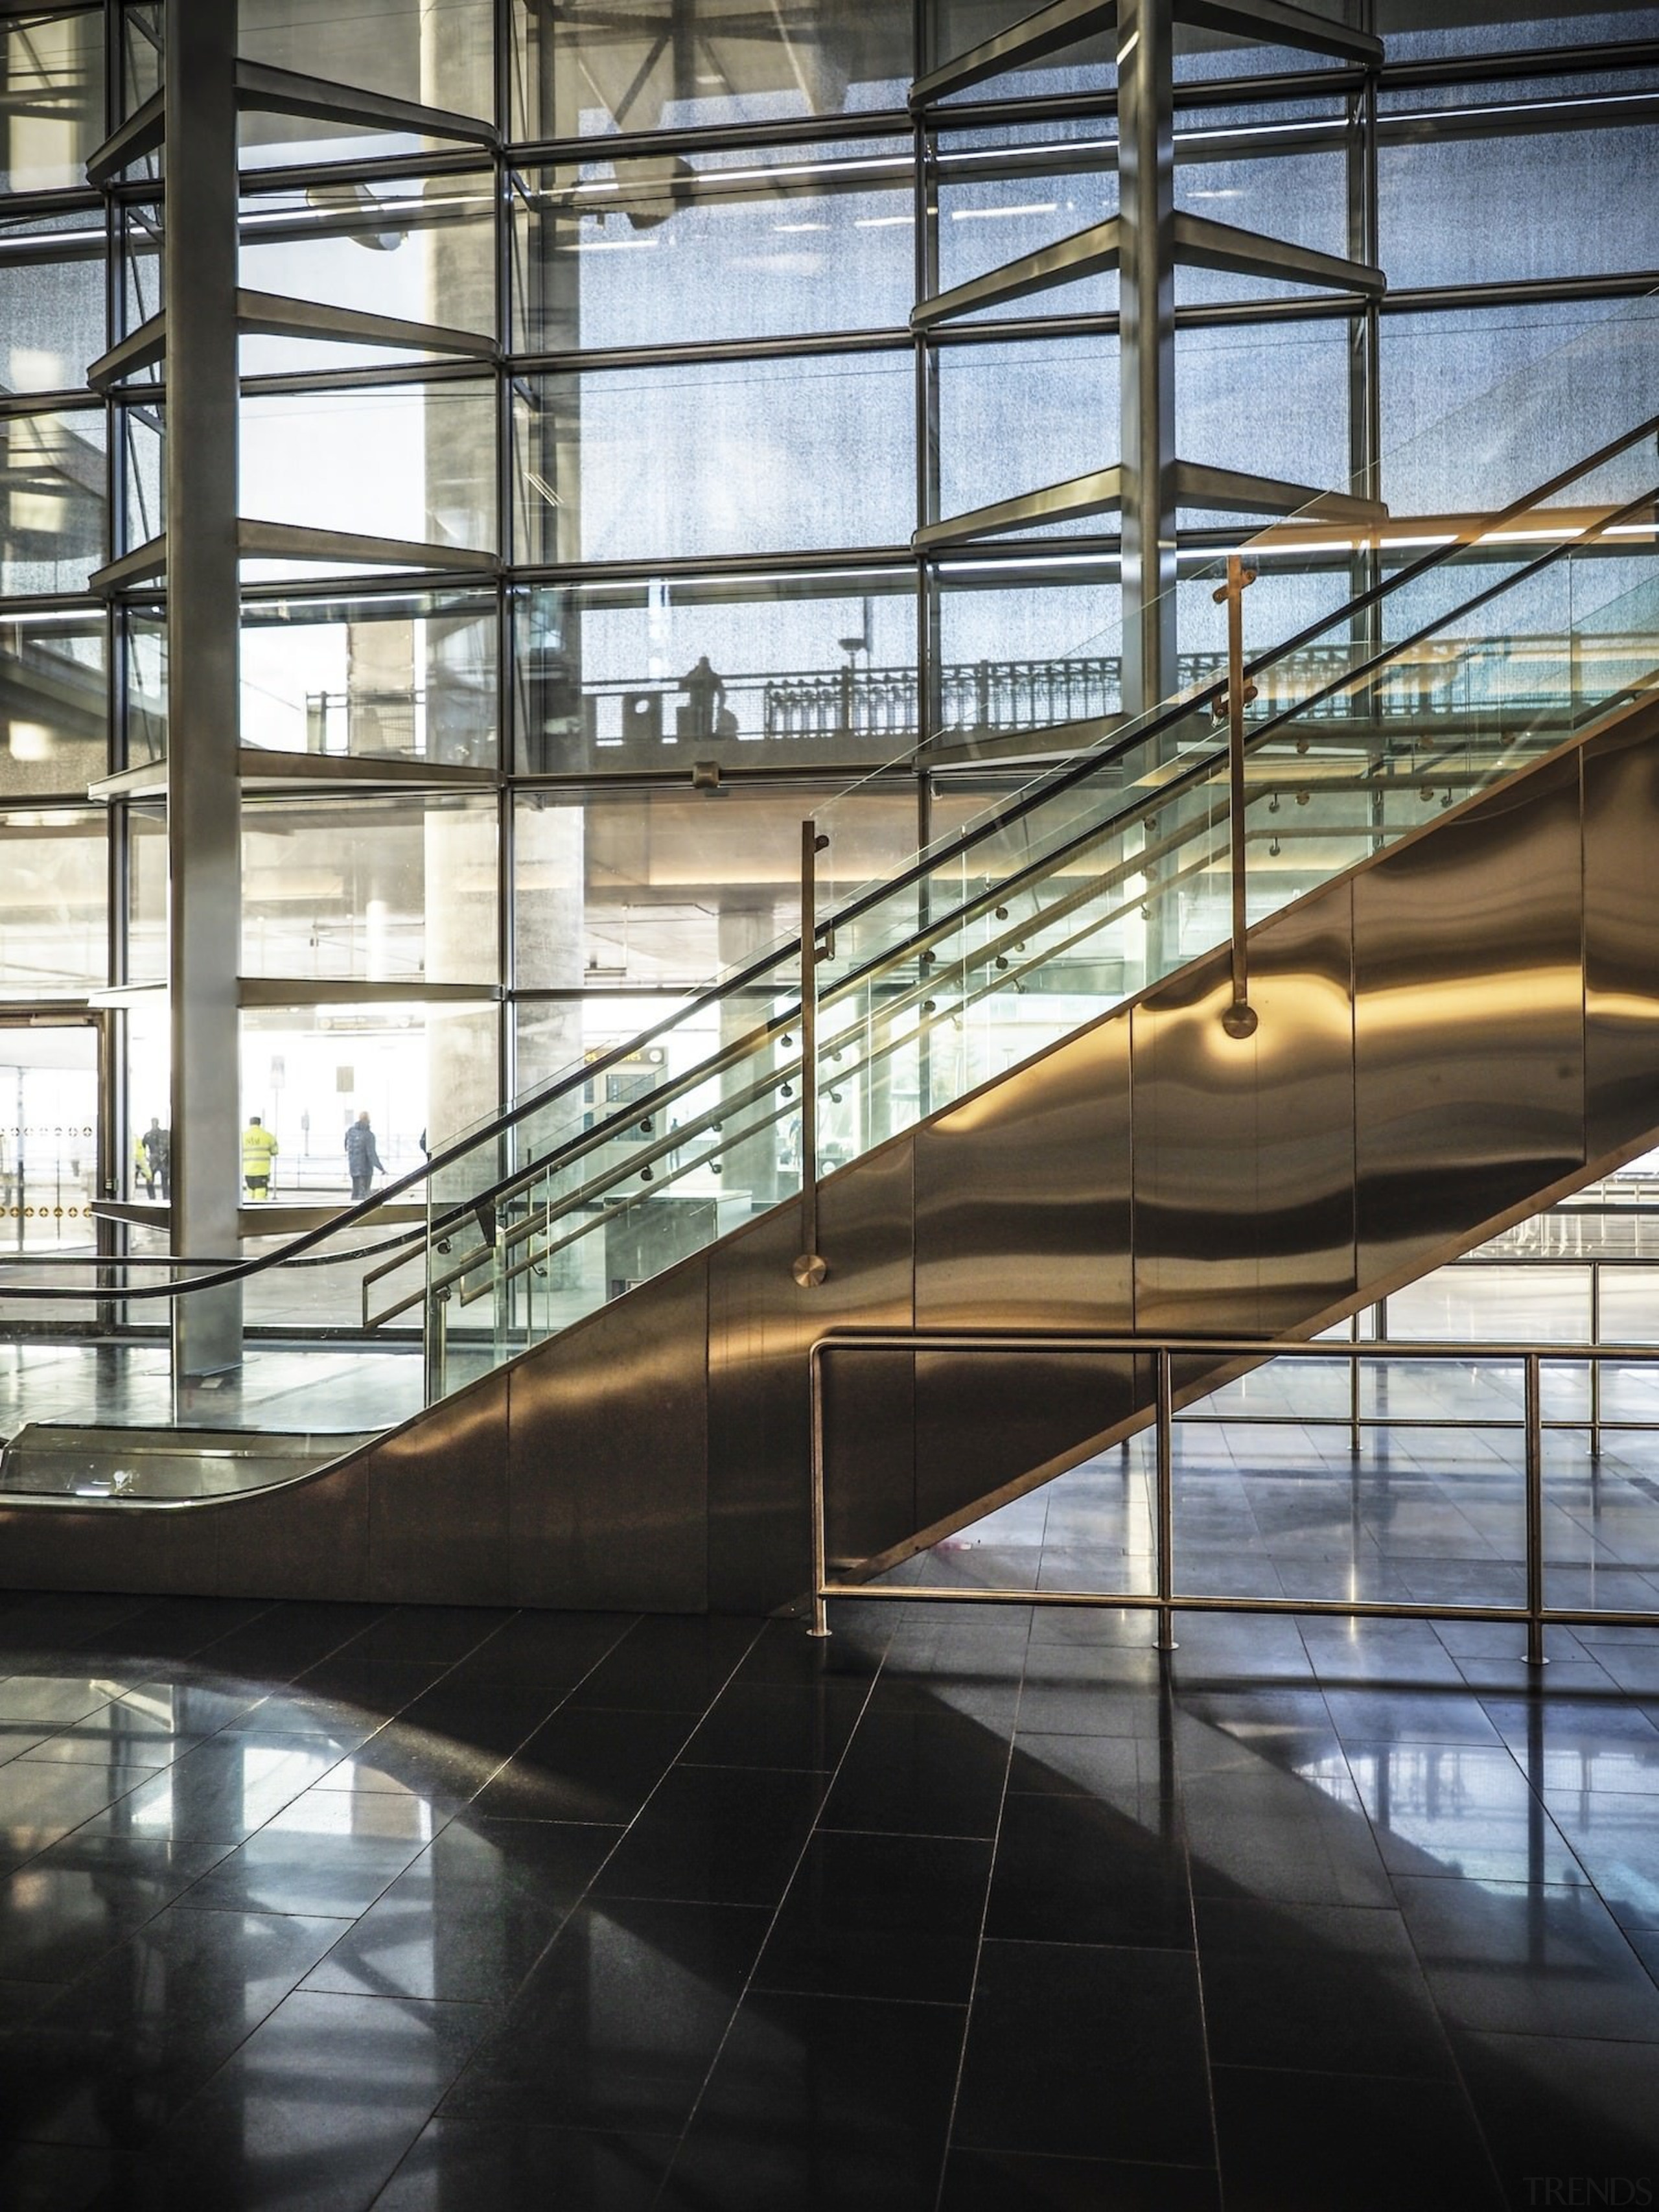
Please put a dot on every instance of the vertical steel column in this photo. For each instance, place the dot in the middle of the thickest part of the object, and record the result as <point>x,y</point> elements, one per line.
<point>203,793</point>
<point>1535,1406</point>
<point>808,1269</point>
<point>1145,113</point>
<point>1595,1364</point>
<point>1165,1502</point>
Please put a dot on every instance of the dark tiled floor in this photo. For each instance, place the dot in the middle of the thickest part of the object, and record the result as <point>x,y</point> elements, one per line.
<point>444,1911</point>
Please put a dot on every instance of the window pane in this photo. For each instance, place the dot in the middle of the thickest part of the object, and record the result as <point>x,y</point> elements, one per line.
<point>717,457</point>
<point>672,250</point>
<point>1480,404</point>
<point>417,1071</point>
<point>1302,198</point>
<point>413,461</point>
<point>781,671</point>
<point>52,702</point>
<point>437,51</point>
<point>382,889</point>
<point>408,677</point>
<point>422,251</point>
<point>53,503</point>
<point>1420,27</point>
<point>54,888</point>
<point>1013,418</point>
<point>1021,650</point>
<point>53,112</point>
<point>990,213</point>
<point>147,898</point>
<point>145,646</point>
<point>1574,203</point>
<point>671,887</point>
<point>683,64</point>
<point>1221,378</point>
<point>52,302</point>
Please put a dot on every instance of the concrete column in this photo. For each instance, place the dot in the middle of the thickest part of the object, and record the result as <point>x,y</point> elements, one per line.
<point>204,792</point>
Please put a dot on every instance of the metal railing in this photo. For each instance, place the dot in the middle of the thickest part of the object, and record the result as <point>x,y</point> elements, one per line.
<point>1229,1353</point>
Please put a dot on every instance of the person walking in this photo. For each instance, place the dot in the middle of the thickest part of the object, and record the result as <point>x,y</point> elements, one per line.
<point>705,693</point>
<point>362,1156</point>
<point>156,1144</point>
<point>141,1168</point>
<point>259,1148</point>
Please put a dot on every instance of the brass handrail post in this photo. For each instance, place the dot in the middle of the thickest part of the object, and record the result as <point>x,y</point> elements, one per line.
<point>1165,1500</point>
<point>808,1268</point>
<point>1534,1409</point>
<point>1239,1019</point>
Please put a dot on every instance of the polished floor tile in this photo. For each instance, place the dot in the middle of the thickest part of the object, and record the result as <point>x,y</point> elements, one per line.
<point>1080,2051</point>
<point>822,2102</point>
<point>504,2166</point>
<point>1300,2142</point>
<point>988,1910</point>
<point>618,2023</point>
<point>727,1835</point>
<point>875,1916</point>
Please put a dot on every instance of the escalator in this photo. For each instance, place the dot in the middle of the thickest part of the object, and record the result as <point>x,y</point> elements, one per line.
<point>1009,1065</point>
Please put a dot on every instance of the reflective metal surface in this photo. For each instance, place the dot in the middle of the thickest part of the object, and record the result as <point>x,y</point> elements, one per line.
<point>1243,1147</point>
<point>1468,1020</point>
<point>607,1455</point>
<point>761,1325</point>
<point>658,1454</point>
<point>1621,927</point>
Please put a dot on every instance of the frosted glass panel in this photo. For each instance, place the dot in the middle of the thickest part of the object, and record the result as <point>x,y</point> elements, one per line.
<point>673,250</point>
<point>54,503</point>
<point>415,462</point>
<point>1272,400</point>
<point>1573,203</point>
<point>717,457</point>
<point>1015,417</point>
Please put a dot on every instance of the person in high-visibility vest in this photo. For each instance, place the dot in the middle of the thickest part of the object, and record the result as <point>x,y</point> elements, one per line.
<point>260,1147</point>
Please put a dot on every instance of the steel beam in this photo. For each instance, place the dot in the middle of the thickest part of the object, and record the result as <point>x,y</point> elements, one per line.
<point>272,91</point>
<point>1097,493</point>
<point>142,133</point>
<point>1088,252</point>
<point>204,796</point>
<point>1048,32</point>
<point>295,541</point>
<point>140,348</point>
<point>1279,24</point>
<point>272,315</point>
<point>1234,491</point>
<point>1202,244</point>
<point>141,566</point>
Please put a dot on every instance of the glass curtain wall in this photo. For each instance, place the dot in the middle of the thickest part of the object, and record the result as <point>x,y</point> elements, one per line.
<point>621,490</point>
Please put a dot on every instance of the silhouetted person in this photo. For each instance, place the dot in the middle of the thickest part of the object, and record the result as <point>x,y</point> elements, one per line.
<point>157,1145</point>
<point>706,692</point>
<point>362,1156</point>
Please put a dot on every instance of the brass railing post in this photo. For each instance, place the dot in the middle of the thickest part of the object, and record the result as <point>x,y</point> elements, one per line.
<point>1534,1403</point>
<point>1165,1501</point>
<point>1239,1019</point>
<point>808,1268</point>
<point>820,1566</point>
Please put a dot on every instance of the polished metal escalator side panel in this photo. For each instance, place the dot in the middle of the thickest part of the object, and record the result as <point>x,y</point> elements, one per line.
<point>1502,1005</point>
<point>1621,935</point>
<point>1468,1016</point>
<point>760,1328</point>
<point>1023,1197</point>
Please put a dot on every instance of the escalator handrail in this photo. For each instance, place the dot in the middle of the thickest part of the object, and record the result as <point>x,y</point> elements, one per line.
<point>1055,783</point>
